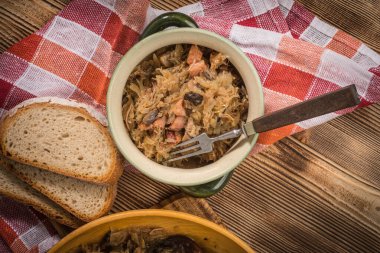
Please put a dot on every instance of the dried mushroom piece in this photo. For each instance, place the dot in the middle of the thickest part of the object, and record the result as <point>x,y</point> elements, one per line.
<point>194,98</point>
<point>175,244</point>
<point>150,117</point>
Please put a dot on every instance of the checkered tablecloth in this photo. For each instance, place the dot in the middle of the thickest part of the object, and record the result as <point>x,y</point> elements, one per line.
<point>297,56</point>
<point>23,229</point>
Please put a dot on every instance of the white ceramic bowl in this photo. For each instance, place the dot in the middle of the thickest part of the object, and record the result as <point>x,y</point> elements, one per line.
<point>171,175</point>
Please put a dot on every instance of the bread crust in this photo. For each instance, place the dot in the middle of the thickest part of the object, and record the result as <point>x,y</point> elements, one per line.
<point>115,168</point>
<point>66,218</point>
<point>62,217</point>
<point>112,189</point>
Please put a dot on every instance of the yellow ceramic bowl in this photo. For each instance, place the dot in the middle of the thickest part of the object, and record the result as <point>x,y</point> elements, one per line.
<point>218,239</point>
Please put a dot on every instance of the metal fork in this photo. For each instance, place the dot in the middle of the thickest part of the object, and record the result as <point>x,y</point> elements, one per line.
<point>326,103</point>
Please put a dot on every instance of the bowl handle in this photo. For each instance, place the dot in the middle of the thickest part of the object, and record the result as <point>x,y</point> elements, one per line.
<point>158,24</point>
<point>166,20</point>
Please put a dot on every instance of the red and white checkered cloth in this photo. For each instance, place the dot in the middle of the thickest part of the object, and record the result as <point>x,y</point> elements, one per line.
<point>297,56</point>
<point>22,229</point>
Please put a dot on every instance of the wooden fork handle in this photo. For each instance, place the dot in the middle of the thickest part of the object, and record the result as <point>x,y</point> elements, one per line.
<point>330,102</point>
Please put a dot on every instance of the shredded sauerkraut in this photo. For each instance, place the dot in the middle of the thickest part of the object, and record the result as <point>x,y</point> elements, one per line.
<point>179,92</point>
<point>141,240</point>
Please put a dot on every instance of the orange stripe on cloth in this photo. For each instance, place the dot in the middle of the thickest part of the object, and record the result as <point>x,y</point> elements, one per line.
<point>26,48</point>
<point>6,232</point>
<point>297,129</point>
<point>344,44</point>
<point>299,54</point>
<point>95,83</point>
<point>60,61</point>
<point>289,81</point>
<point>272,136</point>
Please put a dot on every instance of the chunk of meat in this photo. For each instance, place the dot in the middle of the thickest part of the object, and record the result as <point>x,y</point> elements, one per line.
<point>197,68</point>
<point>195,55</point>
<point>178,108</point>
<point>159,123</point>
<point>173,137</point>
<point>144,127</point>
<point>178,124</point>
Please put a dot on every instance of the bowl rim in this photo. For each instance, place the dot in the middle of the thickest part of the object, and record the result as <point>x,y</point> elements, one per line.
<point>151,213</point>
<point>181,181</point>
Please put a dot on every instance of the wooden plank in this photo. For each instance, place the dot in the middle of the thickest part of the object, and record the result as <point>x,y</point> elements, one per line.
<point>169,4</point>
<point>351,16</point>
<point>136,191</point>
<point>353,142</point>
<point>196,206</point>
<point>289,198</point>
<point>19,18</point>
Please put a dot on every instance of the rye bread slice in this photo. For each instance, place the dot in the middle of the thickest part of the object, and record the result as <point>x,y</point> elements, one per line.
<point>87,201</point>
<point>12,187</point>
<point>62,139</point>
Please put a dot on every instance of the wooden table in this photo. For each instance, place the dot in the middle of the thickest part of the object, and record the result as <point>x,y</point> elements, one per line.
<point>317,191</point>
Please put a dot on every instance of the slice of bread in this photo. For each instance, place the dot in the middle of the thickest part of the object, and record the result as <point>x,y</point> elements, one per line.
<point>63,139</point>
<point>85,200</point>
<point>12,187</point>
